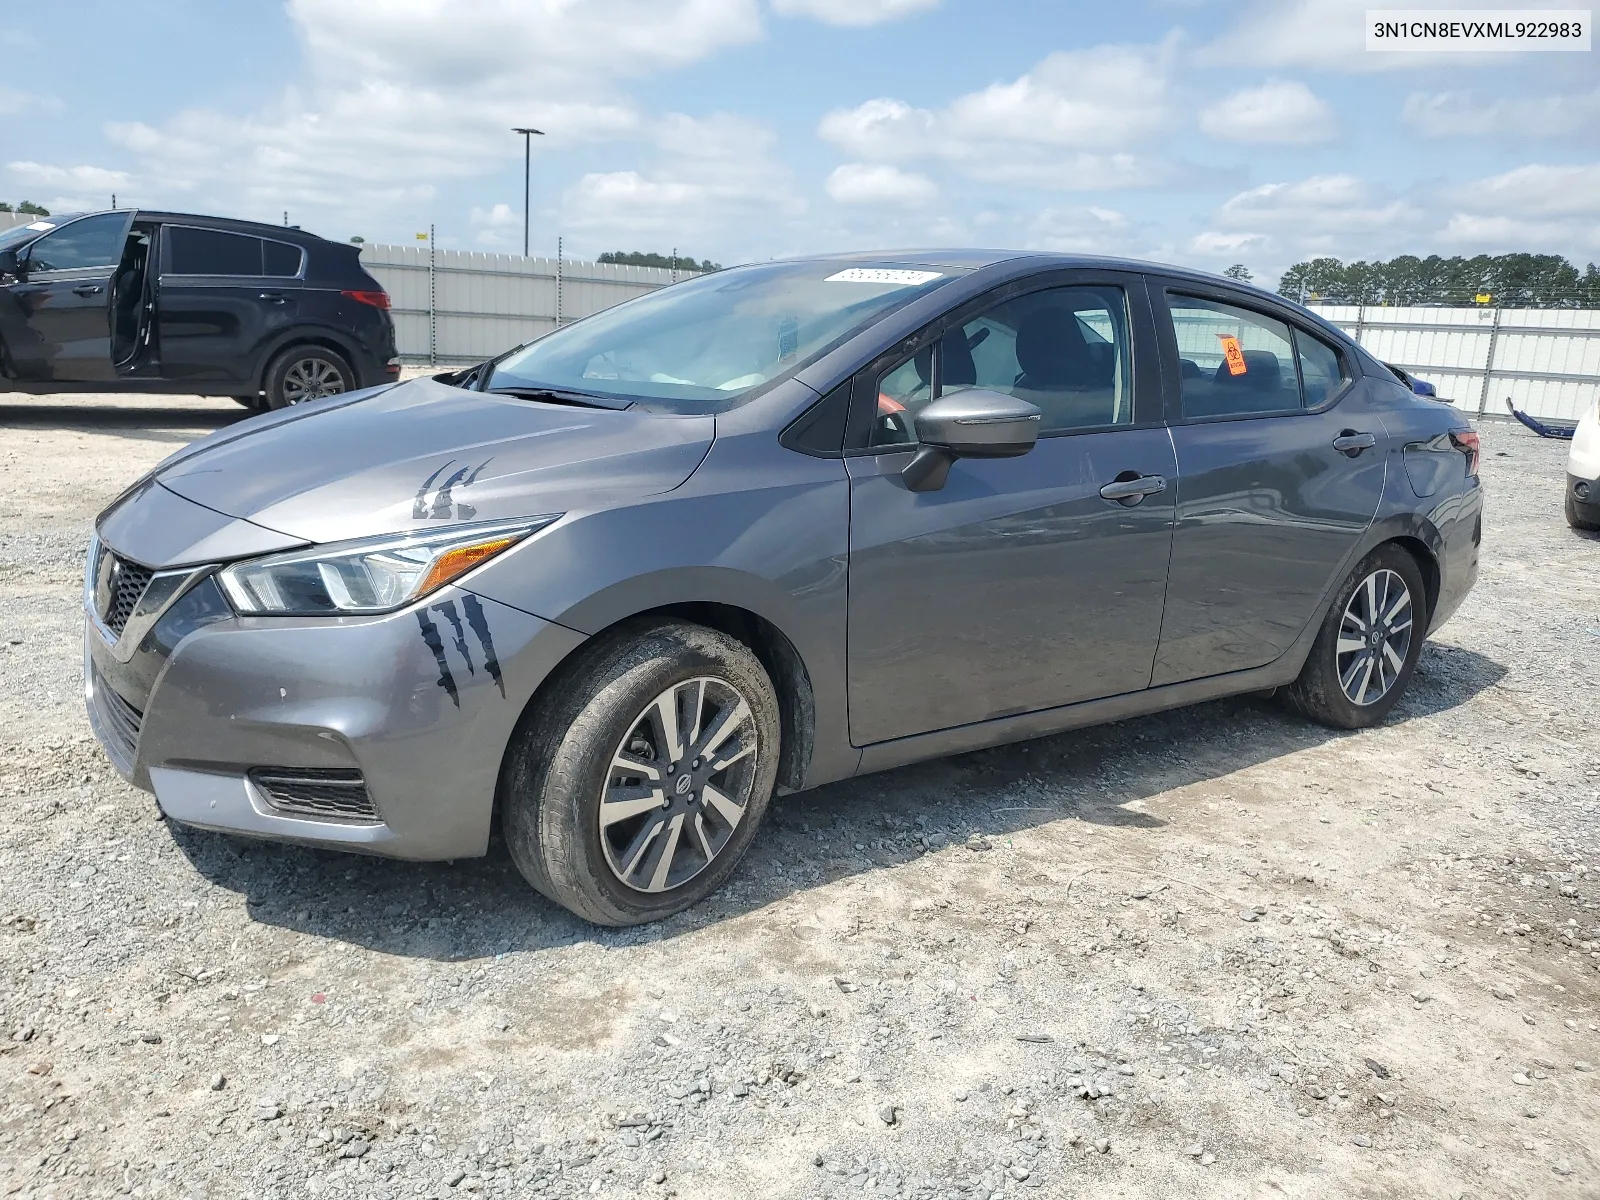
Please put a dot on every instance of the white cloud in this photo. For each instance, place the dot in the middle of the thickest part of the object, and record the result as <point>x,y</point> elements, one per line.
<point>1281,111</point>
<point>1067,123</point>
<point>1468,114</point>
<point>852,12</point>
<point>1328,35</point>
<point>1318,206</point>
<point>13,102</point>
<point>1537,190</point>
<point>1087,230</point>
<point>880,183</point>
<point>402,94</point>
<point>712,174</point>
<point>1211,244</point>
<point>81,178</point>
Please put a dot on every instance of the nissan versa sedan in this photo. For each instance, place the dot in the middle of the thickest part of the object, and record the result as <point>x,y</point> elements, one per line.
<point>760,531</point>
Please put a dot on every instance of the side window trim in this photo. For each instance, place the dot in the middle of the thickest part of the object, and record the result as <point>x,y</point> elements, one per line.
<point>1143,357</point>
<point>1168,288</point>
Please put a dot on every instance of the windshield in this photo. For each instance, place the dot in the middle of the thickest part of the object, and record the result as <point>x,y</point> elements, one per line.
<point>701,344</point>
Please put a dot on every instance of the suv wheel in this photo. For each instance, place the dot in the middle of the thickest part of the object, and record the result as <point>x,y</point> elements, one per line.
<point>303,373</point>
<point>1368,646</point>
<point>634,788</point>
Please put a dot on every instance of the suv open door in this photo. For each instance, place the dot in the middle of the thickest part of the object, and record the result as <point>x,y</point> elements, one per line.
<point>60,301</point>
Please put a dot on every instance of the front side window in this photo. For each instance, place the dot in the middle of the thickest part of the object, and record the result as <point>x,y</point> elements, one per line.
<point>699,345</point>
<point>211,252</point>
<point>91,242</point>
<point>1065,350</point>
<point>1232,360</point>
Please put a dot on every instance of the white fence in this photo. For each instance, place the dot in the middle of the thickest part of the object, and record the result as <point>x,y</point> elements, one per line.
<point>1546,361</point>
<point>457,306</point>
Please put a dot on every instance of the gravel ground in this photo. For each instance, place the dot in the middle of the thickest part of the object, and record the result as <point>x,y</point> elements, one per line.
<point>1217,952</point>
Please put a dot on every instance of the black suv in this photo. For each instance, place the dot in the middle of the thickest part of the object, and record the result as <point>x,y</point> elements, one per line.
<point>132,301</point>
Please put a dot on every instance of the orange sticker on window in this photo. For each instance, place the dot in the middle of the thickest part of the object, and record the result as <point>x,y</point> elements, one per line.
<point>1232,353</point>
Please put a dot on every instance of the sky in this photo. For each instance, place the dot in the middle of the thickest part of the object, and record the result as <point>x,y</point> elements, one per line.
<point>1201,132</point>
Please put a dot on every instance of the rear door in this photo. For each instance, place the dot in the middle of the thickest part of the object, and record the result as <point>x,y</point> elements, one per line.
<point>1280,471</point>
<point>62,301</point>
<point>222,294</point>
<point>1017,586</point>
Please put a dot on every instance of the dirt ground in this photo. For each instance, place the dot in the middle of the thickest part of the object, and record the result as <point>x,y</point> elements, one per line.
<point>1218,952</point>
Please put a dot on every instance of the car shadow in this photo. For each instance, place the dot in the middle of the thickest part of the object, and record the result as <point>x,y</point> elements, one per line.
<point>140,422</point>
<point>482,908</point>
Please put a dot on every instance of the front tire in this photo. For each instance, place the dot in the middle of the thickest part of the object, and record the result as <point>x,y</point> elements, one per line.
<point>1368,646</point>
<point>303,373</point>
<point>632,790</point>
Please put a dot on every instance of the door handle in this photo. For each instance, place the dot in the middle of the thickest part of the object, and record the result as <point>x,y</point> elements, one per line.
<point>1131,491</point>
<point>88,289</point>
<point>1352,443</point>
<point>272,297</point>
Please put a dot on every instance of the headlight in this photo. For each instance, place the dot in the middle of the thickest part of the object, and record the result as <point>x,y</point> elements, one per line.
<point>370,576</point>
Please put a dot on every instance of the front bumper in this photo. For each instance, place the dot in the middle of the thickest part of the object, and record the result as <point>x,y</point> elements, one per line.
<point>1584,497</point>
<point>208,701</point>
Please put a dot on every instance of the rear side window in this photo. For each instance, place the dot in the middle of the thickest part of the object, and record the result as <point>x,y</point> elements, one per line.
<point>1232,360</point>
<point>280,259</point>
<point>212,252</point>
<point>1320,372</point>
<point>91,242</point>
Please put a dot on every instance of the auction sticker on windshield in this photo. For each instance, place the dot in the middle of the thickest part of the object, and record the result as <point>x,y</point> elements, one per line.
<point>882,275</point>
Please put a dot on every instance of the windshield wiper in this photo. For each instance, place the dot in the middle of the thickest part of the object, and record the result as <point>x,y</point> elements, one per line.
<point>562,396</point>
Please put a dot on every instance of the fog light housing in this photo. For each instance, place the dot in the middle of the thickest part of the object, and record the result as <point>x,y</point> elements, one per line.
<point>1581,490</point>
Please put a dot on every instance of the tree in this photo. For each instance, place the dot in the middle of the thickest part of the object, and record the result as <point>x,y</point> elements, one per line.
<point>358,240</point>
<point>1240,272</point>
<point>1512,280</point>
<point>4,207</point>
<point>643,258</point>
<point>32,209</point>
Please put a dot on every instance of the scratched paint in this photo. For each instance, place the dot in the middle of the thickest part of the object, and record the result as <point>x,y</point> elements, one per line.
<point>430,636</point>
<point>477,622</point>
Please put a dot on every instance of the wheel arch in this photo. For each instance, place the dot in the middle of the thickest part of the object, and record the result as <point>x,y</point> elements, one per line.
<point>1421,539</point>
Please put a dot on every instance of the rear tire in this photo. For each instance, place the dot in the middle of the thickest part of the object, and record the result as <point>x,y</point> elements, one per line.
<point>303,373</point>
<point>1358,667</point>
<point>1576,519</point>
<point>673,729</point>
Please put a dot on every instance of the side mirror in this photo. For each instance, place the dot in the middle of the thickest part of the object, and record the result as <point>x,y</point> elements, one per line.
<point>8,262</point>
<point>975,423</point>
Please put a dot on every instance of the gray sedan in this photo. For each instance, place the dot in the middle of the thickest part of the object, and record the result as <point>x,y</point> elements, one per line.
<point>760,531</point>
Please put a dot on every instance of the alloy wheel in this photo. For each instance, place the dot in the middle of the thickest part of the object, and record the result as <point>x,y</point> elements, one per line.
<point>311,379</point>
<point>1374,637</point>
<point>678,785</point>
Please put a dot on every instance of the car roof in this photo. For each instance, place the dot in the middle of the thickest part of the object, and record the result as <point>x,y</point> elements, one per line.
<point>233,225</point>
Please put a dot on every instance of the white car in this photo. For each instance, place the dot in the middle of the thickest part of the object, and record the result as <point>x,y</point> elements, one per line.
<point>1583,473</point>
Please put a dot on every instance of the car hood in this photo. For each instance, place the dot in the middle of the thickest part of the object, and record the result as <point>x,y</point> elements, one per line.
<point>422,454</point>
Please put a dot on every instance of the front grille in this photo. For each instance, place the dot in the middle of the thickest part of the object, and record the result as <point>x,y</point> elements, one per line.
<point>125,584</point>
<point>331,793</point>
<point>119,719</point>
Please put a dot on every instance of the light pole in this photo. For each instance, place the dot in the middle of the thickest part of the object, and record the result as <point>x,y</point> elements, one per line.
<point>527,176</point>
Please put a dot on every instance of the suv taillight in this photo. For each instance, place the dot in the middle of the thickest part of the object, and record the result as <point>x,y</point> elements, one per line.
<point>376,299</point>
<point>1466,441</point>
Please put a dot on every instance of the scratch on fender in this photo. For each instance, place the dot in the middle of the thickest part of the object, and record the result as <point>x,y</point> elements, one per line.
<point>447,610</point>
<point>430,635</point>
<point>480,626</point>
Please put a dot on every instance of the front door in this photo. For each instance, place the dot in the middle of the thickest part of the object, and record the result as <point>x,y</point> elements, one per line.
<point>222,295</point>
<point>1280,471</point>
<point>61,300</point>
<point>1016,586</point>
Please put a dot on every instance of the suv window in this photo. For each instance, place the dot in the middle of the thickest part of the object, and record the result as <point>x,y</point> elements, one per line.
<point>91,242</point>
<point>212,252</point>
<point>1232,360</point>
<point>279,259</point>
<point>1063,349</point>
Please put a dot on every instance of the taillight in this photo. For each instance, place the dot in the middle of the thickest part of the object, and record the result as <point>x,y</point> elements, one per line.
<point>1466,441</point>
<point>376,299</point>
